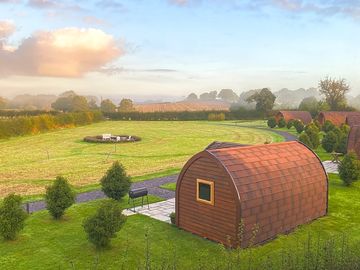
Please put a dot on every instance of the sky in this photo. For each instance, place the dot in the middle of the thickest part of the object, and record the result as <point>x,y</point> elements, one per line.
<point>174,47</point>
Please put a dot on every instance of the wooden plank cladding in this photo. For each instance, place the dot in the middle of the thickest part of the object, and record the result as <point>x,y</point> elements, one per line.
<point>275,187</point>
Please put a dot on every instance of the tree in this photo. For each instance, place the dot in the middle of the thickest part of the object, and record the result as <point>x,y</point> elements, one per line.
<point>209,96</point>
<point>299,126</point>
<point>264,99</point>
<point>126,105</point>
<point>59,196</point>
<point>107,106</point>
<point>304,138</point>
<point>228,95</point>
<point>116,183</point>
<point>290,124</point>
<point>92,104</point>
<point>328,126</point>
<point>62,104</point>
<point>104,224</point>
<point>341,146</point>
<point>192,97</point>
<point>282,123</point>
<point>271,122</point>
<point>349,170</point>
<point>334,91</point>
<point>79,104</point>
<point>3,103</point>
<point>312,132</point>
<point>310,104</point>
<point>329,141</point>
<point>12,217</point>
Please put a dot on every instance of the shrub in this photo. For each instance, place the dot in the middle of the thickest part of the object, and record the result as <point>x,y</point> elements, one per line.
<point>116,183</point>
<point>104,224</point>
<point>304,138</point>
<point>341,146</point>
<point>281,123</point>
<point>216,117</point>
<point>349,170</point>
<point>313,133</point>
<point>317,124</point>
<point>271,122</point>
<point>345,128</point>
<point>173,218</point>
<point>329,141</point>
<point>290,124</point>
<point>12,217</point>
<point>299,126</point>
<point>328,126</point>
<point>59,196</point>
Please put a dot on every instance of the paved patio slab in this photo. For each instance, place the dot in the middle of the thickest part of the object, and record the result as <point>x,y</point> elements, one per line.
<point>160,210</point>
<point>331,167</point>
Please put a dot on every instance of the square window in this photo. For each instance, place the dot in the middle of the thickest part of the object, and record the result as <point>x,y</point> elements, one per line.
<point>205,191</point>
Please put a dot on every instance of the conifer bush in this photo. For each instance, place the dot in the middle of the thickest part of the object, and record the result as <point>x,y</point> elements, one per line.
<point>271,122</point>
<point>328,126</point>
<point>281,123</point>
<point>290,124</point>
<point>329,141</point>
<point>59,196</point>
<point>299,126</point>
<point>104,224</point>
<point>116,183</point>
<point>304,138</point>
<point>12,217</point>
<point>349,170</point>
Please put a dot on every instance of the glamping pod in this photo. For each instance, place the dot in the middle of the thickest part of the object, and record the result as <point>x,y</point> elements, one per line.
<point>353,143</point>
<point>353,120</point>
<point>273,186</point>
<point>337,118</point>
<point>304,116</point>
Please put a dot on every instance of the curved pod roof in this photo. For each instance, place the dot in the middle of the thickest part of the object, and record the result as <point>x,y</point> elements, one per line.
<point>304,116</point>
<point>337,118</point>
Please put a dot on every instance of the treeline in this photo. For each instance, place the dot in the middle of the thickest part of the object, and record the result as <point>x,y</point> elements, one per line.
<point>25,125</point>
<point>17,113</point>
<point>183,116</point>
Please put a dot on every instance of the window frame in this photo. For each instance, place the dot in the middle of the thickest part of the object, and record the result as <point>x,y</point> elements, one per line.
<point>212,191</point>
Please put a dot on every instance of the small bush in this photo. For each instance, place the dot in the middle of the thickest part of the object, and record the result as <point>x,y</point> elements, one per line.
<point>304,138</point>
<point>173,218</point>
<point>317,124</point>
<point>299,126</point>
<point>104,224</point>
<point>312,127</point>
<point>349,170</point>
<point>341,146</point>
<point>329,141</point>
<point>59,196</point>
<point>216,117</point>
<point>12,217</point>
<point>116,183</point>
<point>328,126</point>
<point>345,128</point>
<point>312,132</point>
<point>290,124</point>
<point>271,122</point>
<point>281,123</point>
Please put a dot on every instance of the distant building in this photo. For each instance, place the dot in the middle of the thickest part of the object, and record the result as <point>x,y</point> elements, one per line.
<point>304,116</point>
<point>337,118</point>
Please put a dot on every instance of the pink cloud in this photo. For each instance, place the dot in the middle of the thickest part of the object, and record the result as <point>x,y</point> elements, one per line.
<point>67,52</point>
<point>7,28</point>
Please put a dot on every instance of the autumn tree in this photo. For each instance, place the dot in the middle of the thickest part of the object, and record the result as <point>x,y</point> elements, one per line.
<point>107,106</point>
<point>228,95</point>
<point>126,105</point>
<point>334,91</point>
<point>3,103</point>
<point>192,97</point>
<point>310,104</point>
<point>264,99</point>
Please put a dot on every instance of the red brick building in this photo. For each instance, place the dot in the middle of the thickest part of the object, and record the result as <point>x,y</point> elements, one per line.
<point>276,186</point>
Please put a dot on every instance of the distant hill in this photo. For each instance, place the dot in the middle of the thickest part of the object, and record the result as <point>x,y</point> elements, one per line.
<point>184,106</point>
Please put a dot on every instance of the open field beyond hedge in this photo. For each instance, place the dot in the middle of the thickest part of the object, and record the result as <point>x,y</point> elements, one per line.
<point>49,244</point>
<point>29,163</point>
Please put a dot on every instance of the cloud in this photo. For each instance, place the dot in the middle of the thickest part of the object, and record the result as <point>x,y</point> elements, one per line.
<point>110,4</point>
<point>114,70</point>
<point>67,52</point>
<point>42,4</point>
<point>7,28</point>
<point>92,20</point>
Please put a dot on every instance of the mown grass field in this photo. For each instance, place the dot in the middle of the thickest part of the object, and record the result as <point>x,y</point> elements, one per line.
<point>49,244</point>
<point>28,164</point>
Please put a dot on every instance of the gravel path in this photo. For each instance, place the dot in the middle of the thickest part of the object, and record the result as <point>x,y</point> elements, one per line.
<point>152,186</point>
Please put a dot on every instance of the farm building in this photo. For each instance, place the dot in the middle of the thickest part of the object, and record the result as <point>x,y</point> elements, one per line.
<point>276,186</point>
<point>353,143</point>
<point>337,118</point>
<point>305,117</point>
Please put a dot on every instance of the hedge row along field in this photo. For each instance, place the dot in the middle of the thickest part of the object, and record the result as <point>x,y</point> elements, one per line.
<point>26,125</point>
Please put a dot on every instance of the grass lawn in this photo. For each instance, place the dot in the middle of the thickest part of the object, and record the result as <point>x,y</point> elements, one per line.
<point>169,186</point>
<point>165,147</point>
<point>49,244</point>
